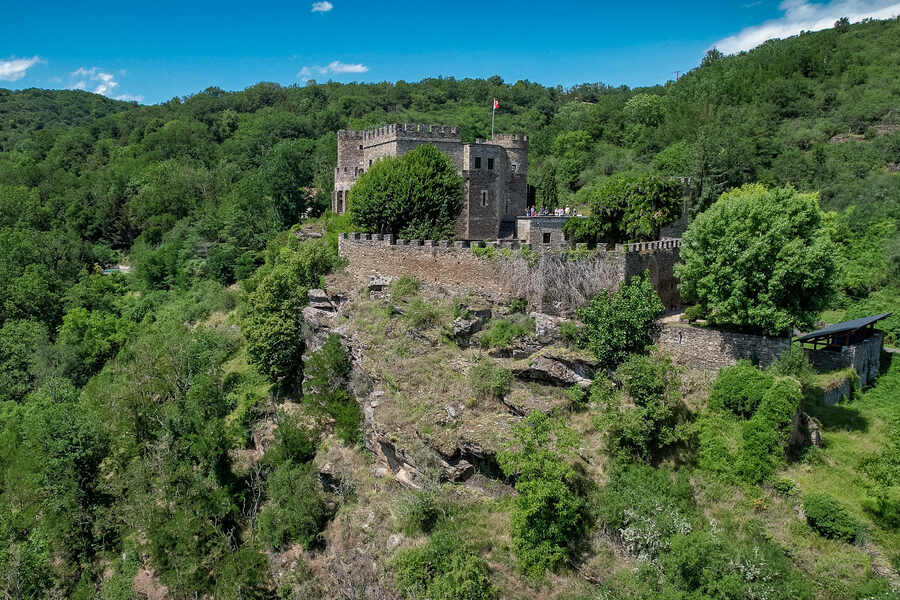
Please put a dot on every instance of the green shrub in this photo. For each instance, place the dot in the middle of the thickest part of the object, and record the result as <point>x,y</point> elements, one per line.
<point>420,511</point>
<point>785,487</point>
<point>620,323</point>
<point>765,436</point>
<point>548,513</point>
<point>293,442</point>
<point>740,389</point>
<point>327,372</point>
<point>570,333</point>
<point>828,517</point>
<point>653,424</point>
<point>502,332</point>
<point>761,451</point>
<point>294,509</point>
<point>488,380</point>
<point>404,287</point>
<point>885,509</point>
<point>445,568</point>
<point>517,305</point>
<point>420,314</point>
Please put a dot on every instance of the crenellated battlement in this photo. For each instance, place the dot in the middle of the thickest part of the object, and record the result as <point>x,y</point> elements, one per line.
<point>380,239</point>
<point>474,264</point>
<point>509,140</point>
<point>401,131</point>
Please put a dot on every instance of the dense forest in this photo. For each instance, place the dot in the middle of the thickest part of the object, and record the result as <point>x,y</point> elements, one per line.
<point>127,397</point>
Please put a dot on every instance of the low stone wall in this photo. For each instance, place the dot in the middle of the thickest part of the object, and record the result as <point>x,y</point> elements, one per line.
<point>712,349</point>
<point>865,357</point>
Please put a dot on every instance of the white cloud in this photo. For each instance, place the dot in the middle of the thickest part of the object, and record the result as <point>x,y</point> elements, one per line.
<point>105,82</point>
<point>334,67</point>
<point>322,6</point>
<point>803,15</point>
<point>99,81</point>
<point>13,69</point>
<point>129,98</point>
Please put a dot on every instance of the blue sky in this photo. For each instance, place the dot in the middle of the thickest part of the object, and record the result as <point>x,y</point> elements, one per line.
<point>152,52</point>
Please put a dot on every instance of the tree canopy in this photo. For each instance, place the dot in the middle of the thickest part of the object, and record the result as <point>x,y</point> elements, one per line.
<point>759,258</point>
<point>417,195</point>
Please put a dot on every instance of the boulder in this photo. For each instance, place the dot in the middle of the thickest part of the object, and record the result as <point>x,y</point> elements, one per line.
<point>379,285</point>
<point>546,327</point>
<point>319,300</point>
<point>550,369</point>
<point>520,348</point>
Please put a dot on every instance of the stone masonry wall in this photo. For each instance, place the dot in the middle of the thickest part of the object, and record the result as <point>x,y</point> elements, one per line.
<point>454,264</point>
<point>434,262</point>
<point>713,349</point>
<point>865,357</point>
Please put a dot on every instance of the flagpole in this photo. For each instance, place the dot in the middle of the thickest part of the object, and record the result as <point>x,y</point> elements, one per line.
<point>493,108</point>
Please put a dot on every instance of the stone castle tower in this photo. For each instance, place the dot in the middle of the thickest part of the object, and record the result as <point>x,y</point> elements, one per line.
<point>494,171</point>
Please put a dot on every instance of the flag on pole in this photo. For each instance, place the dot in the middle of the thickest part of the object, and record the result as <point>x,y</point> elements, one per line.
<point>496,104</point>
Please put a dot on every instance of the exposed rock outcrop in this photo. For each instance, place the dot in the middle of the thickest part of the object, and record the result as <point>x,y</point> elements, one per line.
<point>557,366</point>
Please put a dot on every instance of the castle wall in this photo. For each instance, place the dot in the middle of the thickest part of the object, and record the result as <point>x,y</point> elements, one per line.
<point>659,259</point>
<point>432,262</point>
<point>455,264</point>
<point>712,349</point>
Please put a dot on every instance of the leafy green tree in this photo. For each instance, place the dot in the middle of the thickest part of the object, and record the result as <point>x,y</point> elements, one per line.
<point>295,510</point>
<point>621,322</point>
<point>19,340</point>
<point>629,208</point>
<point>654,422</point>
<point>272,315</point>
<point>549,512</point>
<point>417,194</point>
<point>758,258</point>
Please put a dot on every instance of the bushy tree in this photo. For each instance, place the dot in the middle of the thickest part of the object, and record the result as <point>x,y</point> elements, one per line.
<point>272,316</point>
<point>619,323</point>
<point>758,258</point>
<point>652,422</point>
<point>629,208</point>
<point>740,389</point>
<point>766,434</point>
<point>418,194</point>
<point>549,512</point>
<point>295,510</point>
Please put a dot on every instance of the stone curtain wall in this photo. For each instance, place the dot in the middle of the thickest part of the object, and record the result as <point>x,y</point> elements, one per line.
<point>454,264</point>
<point>865,357</point>
<point>436,262</point>
<point>712,349</point>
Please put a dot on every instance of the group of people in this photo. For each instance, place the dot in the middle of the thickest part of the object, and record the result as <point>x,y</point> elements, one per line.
<point>556,212</point>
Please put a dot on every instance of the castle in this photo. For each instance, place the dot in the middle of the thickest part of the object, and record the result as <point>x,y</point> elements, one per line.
<point>494,171</point>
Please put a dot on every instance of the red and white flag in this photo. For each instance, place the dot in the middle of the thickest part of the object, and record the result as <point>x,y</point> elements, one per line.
<point>496,104</point>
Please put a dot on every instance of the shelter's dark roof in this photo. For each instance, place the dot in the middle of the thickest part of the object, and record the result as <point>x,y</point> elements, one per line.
<point>845,327</point>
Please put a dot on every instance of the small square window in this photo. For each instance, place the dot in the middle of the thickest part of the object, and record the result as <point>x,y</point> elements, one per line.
<point>477,162</point>
<point>490,164</point>
<point>484,197</point>
<point>546,238</point>
<point>360,146</point>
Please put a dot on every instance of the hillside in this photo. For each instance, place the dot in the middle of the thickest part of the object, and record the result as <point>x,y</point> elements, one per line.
<point>239,416</point>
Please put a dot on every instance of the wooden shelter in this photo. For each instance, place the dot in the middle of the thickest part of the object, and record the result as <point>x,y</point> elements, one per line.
<point>840,335</point>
